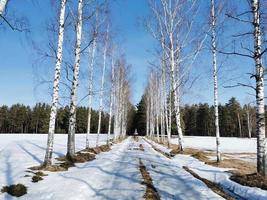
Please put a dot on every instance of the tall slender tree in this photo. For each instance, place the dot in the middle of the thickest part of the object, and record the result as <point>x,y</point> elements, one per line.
<point>215,80</point>
<point>74,89</point>
<point>260,112</point>
<point>53,113</point>
<point>92,51</point>
<point>102,84</point>
<point>111,95</point>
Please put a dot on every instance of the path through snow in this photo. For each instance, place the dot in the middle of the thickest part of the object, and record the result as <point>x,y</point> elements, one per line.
<point>115,175</point>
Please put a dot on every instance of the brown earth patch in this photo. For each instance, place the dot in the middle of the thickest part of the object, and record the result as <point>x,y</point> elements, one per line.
<point>141,147</point>
<point>151,192</point>
<point>50,168</point>
<point>17,190</point>
<point>251,180</point>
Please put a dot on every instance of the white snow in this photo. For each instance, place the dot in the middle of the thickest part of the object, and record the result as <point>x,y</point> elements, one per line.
<point>228,144</point>
<point>171,180</point>
<point>115,174</point>
<point>215,174</point>
<point>221,176</point>
<point>112,175</point>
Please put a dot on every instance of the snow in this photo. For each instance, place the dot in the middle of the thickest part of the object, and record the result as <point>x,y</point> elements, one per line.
<point>215,174</point>
<point>115,174</point>
<point>228,144</point>
<point>20,151</point>
<point>220,176</point>
<point>112,175</point>
<point>171,180</point>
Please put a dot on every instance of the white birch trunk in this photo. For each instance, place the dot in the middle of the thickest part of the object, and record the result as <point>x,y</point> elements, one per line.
<point>260,118</point>
<point>111,99</point>
<point>74,89</point>
<point>175,89</point>
<point>53,112</point>
<point>215,79</point>
<point>102,88</point>
<point>91,75</point>
<point>248,123</point>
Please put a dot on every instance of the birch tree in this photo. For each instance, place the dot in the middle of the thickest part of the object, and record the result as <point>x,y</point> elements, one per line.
<point>121,98</point>
<point>92,51</point>
<point>55,98</point>
<point>260,112</point>
<point>174,22</point>
<point>254,28</point>
<point>102,85</point>
<point>111,96</point>
<point>215,79</point>
<point>74,89</point>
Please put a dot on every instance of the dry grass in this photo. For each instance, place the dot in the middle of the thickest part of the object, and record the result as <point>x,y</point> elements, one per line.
<point>17,190</point>
<point>213,186</point>
<point>38,176</point>
<point>251,180</point>
<point>240,166</point>
<point>151,192</point>
<point>50,168</point>
<point>66,162</point>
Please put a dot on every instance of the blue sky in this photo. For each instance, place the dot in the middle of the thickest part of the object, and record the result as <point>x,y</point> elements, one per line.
<point>18,75</point>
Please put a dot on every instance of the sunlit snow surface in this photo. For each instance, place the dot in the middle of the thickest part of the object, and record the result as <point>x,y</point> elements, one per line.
<point>113,175</point>
<point>215,174</point>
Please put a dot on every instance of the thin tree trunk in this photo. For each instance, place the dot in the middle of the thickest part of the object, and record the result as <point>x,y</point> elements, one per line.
<point>74,89</point>
<point>102,88</point>
<point>53,112</point>
<point>91,72</point>
<point>239,125</point>
<point>260,118</point>
<point>175,89</point>
<point>248,123</point>
<point>111,99</point>
<point>215,79</point>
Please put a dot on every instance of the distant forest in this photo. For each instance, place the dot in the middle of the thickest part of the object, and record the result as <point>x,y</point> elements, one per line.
<point>25,119</point>
<point>197,119</point>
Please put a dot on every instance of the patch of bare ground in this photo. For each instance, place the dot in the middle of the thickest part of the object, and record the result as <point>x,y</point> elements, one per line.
<point>38,176</point>
<point>151,192</point>
<point>66,162</point>
<point>239,166</point>
<point>17,190</point>
<point>141,147</point>
<point>213,186</point>
<point>251,180</point>
<point>50,168</point>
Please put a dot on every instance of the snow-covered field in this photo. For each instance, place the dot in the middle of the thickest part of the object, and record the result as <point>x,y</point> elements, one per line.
<point>216,174</point>
<point>18,152</point>
<point>115,174</point>
<point>228,144</point>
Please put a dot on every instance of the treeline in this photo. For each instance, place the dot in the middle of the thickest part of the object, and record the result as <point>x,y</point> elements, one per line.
<point>19,118</point>
<point>198,119</point>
